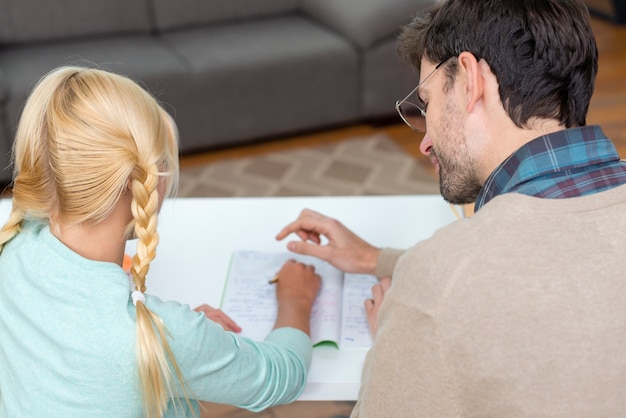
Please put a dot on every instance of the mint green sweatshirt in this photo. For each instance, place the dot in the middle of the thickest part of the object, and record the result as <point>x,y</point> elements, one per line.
<point>67,341</point>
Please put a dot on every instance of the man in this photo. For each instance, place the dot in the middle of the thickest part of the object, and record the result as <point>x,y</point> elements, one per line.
<point>518,310</point>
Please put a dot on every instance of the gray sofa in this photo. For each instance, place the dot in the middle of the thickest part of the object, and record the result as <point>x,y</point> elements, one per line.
<point>229,71</point>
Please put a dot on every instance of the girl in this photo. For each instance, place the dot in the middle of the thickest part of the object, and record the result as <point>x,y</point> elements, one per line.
<point>94,157</point>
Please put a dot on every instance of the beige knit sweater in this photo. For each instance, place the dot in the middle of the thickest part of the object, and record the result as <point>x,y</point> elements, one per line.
<point>519,311</point>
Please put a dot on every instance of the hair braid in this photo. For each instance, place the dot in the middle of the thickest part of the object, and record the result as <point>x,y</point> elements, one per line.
<point>11,227</point>
<point>144,207</point>
<point>153,351</point>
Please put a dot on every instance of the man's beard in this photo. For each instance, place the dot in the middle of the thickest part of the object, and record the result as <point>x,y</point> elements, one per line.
<point>458,184</point>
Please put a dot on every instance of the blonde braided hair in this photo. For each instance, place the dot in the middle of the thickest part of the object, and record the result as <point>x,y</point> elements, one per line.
<point>85,136</point>
<point>11,227</point>
<point>144,207</point>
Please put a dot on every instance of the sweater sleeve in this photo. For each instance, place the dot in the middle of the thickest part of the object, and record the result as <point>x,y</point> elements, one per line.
<point>406,372</point>
<point>387,262</point>
<point>222,367</point>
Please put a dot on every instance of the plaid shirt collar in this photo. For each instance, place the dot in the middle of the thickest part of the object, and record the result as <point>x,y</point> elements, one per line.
<point>549,156</point>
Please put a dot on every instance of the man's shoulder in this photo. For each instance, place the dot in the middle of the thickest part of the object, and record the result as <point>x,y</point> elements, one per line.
<point>508,233</point>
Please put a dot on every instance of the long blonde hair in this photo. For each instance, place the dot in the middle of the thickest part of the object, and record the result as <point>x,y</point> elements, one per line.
<point>84,136</point>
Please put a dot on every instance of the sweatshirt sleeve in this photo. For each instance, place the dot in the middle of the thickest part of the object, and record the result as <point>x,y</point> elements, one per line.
<point>387,262</point>
<point>222,367</point>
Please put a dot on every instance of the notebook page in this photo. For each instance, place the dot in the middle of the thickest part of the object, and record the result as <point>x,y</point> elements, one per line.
<point>355,331</point>
<point>251,302</point>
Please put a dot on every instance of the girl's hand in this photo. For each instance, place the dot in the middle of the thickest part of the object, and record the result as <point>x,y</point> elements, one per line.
<point>216,315</point>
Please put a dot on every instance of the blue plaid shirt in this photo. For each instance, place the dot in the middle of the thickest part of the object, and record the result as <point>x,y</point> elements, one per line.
<point>569,163</point>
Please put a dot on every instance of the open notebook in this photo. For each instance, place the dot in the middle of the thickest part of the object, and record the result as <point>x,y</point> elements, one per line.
<point>338,315</point>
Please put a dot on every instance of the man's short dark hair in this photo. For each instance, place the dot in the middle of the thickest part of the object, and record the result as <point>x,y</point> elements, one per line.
<point>542,52</point>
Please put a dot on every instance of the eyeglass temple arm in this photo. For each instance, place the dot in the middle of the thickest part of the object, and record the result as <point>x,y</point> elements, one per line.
<point>399,102</point>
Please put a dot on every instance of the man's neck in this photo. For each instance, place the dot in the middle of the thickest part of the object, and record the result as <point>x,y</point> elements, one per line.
<point>512,138</point>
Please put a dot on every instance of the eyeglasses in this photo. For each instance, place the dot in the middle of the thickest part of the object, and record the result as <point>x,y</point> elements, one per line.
<point>412,114</point>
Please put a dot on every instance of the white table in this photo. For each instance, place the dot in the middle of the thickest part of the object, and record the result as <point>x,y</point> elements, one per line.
<point>197,237</point>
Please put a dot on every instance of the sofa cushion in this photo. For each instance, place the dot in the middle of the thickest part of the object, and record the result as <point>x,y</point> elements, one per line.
<point>36,20</point>
<point>364,21</point>
<point>140,57</point>
<point>262,78</point>
<point>385,79</point>
<point>185,13</point>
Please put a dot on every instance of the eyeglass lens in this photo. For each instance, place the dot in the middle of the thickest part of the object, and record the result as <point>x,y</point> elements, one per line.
<point>413,115</point>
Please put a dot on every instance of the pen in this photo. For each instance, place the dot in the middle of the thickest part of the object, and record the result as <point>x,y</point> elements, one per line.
<point>273,280</point>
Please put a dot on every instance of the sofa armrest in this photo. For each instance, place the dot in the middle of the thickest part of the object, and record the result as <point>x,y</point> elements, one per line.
<point>364,22</point>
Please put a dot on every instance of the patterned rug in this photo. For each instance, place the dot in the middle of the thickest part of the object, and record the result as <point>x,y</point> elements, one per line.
<point>372,165</point>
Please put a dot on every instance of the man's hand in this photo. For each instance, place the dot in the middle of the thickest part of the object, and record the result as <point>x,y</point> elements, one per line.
<point>372,306</point>
<point>344,250</point>
<point>216,315</point>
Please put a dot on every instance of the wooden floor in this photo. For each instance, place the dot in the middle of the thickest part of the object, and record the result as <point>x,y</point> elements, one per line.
<point>608,108</point>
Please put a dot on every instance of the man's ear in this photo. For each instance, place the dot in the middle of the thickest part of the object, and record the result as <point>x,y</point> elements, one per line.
<point>474,82</point>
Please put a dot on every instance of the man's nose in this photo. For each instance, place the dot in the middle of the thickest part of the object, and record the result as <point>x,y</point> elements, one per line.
<point>426,145</point>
